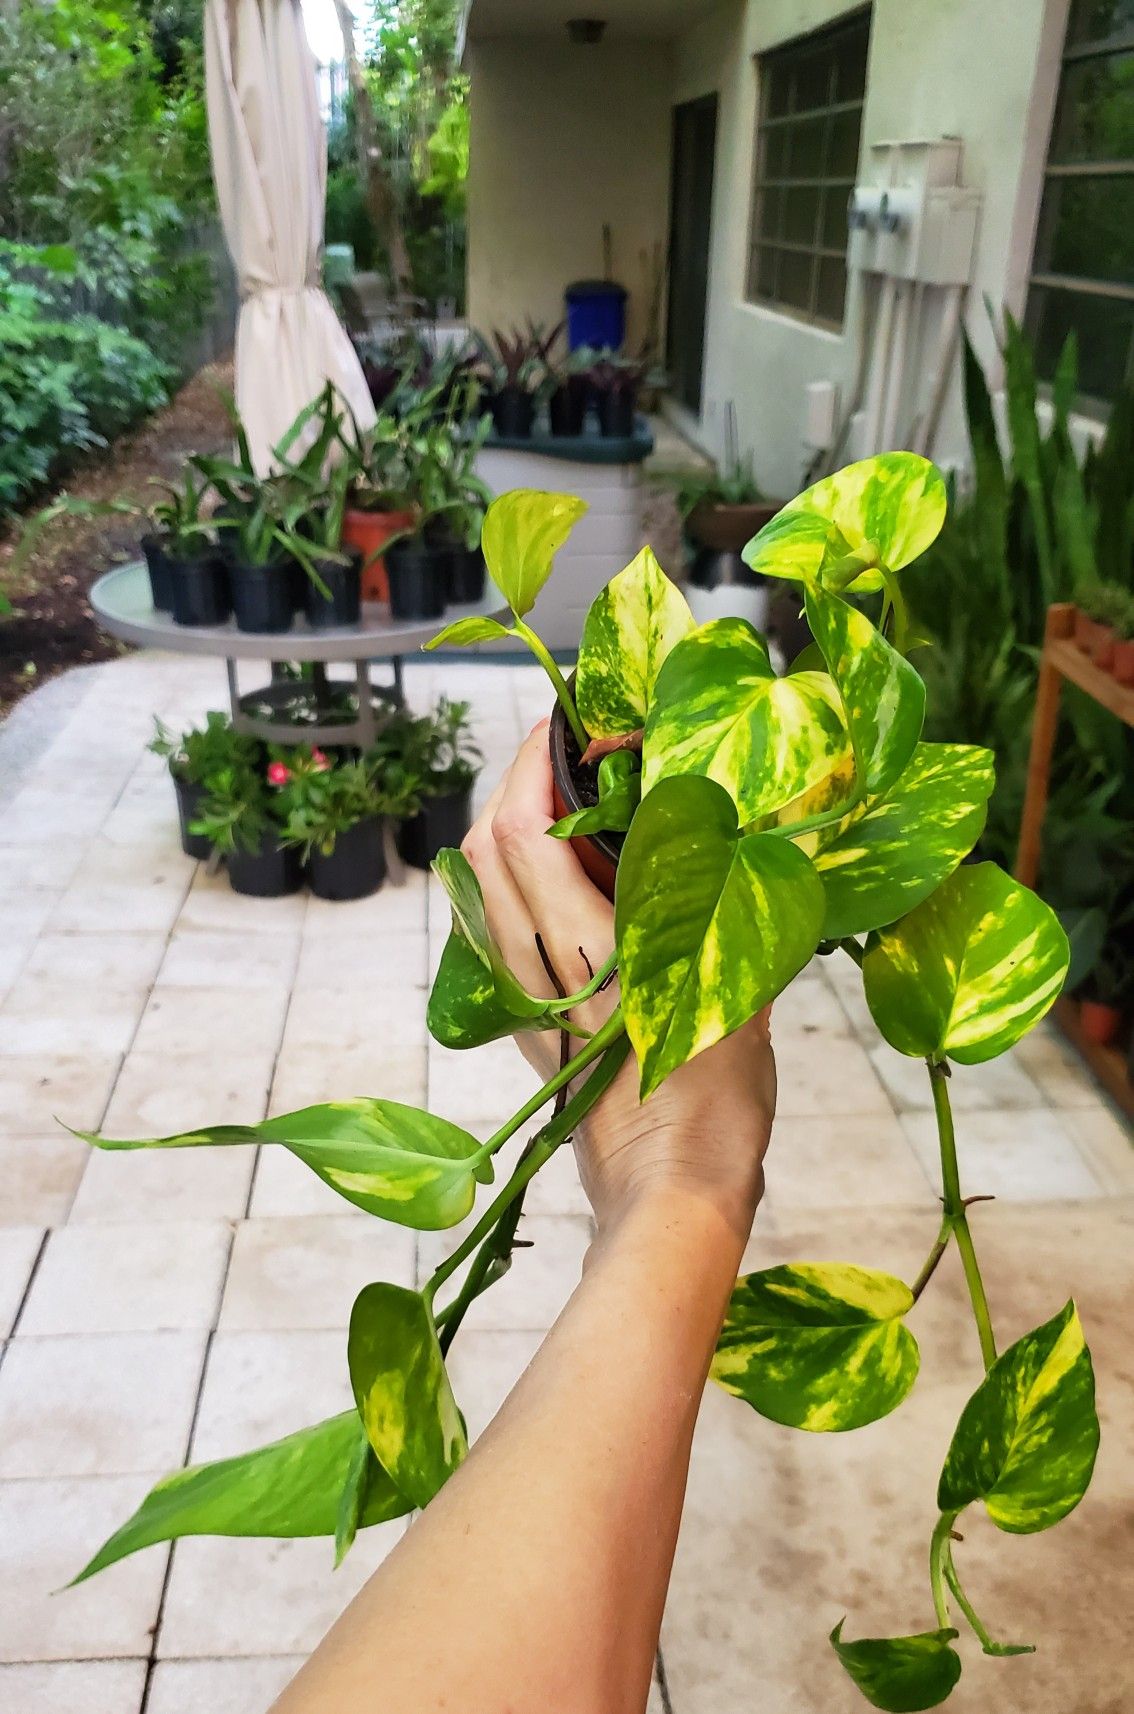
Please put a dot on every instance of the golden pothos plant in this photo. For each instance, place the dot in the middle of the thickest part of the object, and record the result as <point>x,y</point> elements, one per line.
<point>763,818</point>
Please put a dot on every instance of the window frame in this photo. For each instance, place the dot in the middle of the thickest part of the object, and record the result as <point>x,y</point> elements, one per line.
<point>853,25</point>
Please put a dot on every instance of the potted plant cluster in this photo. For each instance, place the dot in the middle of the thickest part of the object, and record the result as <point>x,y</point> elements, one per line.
<point>194,758</point>
<point>1104,628</point>
<point>242,817</point>
<point>437,559</point>
<point>333,815</point>
<point>434,759</point>
<point>774,818</point>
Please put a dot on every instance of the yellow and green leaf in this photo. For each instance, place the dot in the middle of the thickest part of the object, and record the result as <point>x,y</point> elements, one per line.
<point>710,924</point>
<point>523,531</point>
<point>719,710</point>
<point>818,1345</point>
<point>632,625</point>
<point>883,512</point>
<point>1027,1439</point>
<point>402,1390</point>
<point>458,878</point>
<point>883,697</point>
<point>969,971</point>
<point>477,628</point>
<point>901,1674</point>
<point>620,792</point>
<point>465,1009</point>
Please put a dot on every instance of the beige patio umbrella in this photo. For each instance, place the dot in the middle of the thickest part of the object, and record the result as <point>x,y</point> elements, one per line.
<point>269,152</point>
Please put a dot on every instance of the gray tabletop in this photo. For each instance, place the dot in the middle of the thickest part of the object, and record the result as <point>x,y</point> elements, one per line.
<point>122,604</point>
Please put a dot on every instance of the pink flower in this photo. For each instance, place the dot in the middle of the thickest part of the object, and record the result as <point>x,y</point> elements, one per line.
<point>278,773</point>
<point>320,761</point>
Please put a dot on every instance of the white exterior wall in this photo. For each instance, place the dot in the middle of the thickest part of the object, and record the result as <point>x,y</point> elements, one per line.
<point>983,70</point>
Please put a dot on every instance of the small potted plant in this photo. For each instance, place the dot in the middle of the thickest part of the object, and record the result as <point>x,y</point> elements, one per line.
<point>722,509</point>
<point>568,391</point>
<point>515,364</point>
<point>434,761</point>
<point>194,758</point>
<point>377,508</point>
<point>1097,609</point>
<point>335,820</point>
<point>1123,623</point>
<point>242,817</point>
<point>614,382</point>
<point>457,500</point>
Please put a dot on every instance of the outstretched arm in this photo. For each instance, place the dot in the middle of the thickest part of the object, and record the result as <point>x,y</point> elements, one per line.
<point>535,1581</point>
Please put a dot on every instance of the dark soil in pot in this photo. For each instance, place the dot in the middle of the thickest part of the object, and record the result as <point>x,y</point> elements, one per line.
<point>355,868</point>
<point>263,596</point>
<point>201,591</point>
<point>513,411</point>
<point>418,577</point>
<point>344,584</point>
<point>161,574</point>
<point>440,822</point>
<point>576,787</point>
<point>270,872</point>
<point>190,797</point>
<point>616,414</point>
<point>567,408</point>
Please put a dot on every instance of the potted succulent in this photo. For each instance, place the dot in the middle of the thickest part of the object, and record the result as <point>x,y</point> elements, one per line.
<point>335,820</point>
<point>194,757</point>
<point>434,759</point>
<point>778,818</point>
<point>515,366</point>
<point>242,817</point>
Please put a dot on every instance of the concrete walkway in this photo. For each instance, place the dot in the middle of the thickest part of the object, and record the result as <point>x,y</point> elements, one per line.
<point>193,1305</point>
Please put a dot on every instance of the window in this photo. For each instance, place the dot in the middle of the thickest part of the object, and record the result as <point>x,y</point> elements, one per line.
<point>807,141</point>
<point>1083,270</point>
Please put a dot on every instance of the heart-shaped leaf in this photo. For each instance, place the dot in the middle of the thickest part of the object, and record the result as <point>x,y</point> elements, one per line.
<point>476,629</point>
<point>291,1488</point>
<point>458,878</point>
<point>818,1345</point>
<point>632,625</point>
<point>890,854</point>
<point>883,697</point>
<point>1027,1438</point>
<point>969,971</point>
<point>901,1674</point>
<point>719,710</point>
<point>402,1390</point>
<point>884,510</point>
<point>523,531</point>
<point>391,1160</point>
<point>620,792</point>
<point>693,899</point>
<point>464,1007</point>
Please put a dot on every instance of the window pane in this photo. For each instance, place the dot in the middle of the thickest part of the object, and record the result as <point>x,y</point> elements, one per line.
<point>832,288</point>
<point>850,77</point>
<point>795,279</point>
<point>807,148</point>
<point>1095,20</point>
<point>813,82</point>
<point>801,213</point>
<point>1094,120</point>
<point>762,273</point>
<point>846,129</point>
<point>1087,228</point>
<point>1103,326</point>
<point>778,75</point>
<point>769,215</point>
<point>833,234</point>
<point>774,162</point>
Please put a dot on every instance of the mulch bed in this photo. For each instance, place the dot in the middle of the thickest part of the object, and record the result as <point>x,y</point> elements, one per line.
<point>52,627</point>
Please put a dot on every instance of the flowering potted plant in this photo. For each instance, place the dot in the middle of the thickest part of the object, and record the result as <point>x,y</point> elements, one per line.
<point>778,818</point>
<point>242,817</point>
<point>435,758</point>
<point>335,820</point>
<point>194,757</point>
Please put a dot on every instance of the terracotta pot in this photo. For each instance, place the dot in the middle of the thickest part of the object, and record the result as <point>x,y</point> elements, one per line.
<point>727,529</point>
<point>369,532</point>
<point>1123,664</point>
<point>1086,631</point>
<point>597,852</point>
<point>1099,1023</point>
<point>1102,647</point>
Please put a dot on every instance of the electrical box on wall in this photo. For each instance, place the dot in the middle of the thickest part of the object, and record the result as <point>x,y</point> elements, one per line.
<point>820,410</point>
<point>910,218</point>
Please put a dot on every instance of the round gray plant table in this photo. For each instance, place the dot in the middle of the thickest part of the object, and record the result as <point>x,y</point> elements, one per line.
<point>122,604</point>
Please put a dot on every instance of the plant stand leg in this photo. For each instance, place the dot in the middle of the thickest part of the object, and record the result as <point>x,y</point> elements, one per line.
<point>1044,726</point>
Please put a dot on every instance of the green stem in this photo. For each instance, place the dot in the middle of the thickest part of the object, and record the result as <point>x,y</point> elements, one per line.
<point>545,1145</point>
<point>825,818</point>
<point>853,950</point>
<point>955,1208</point>
<point>938,1550</point>
<point>603,1038</point>
<point>941,1244</point>
<point>543,656</point>
<point>601,976</point>
<point>987,1642</point>
<point>901,611</point>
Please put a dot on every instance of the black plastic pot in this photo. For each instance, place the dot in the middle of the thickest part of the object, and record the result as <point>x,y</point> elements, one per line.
<point>270,872</point>
<point>616,413</point>
<point>567,408</point>
<point>356,866</point>
<point>465,575</point>
<point>441,822</point>
<point>263,596</point>
<point>512,413</point>
<point>201,591</point>
<point>345,585</point>
<point>418,577</point>
<point>190,797</point>
<point>161,577</point>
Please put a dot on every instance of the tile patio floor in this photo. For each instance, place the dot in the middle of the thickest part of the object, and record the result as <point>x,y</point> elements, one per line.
<point>194,1305</point>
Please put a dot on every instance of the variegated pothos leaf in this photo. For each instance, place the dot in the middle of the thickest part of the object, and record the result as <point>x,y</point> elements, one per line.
<point>630,629</point>
<point>901,1675</point>
<point>402,1390</point>
<point>523,531</point>
<point>465,1009</point>
<point>883,697</point>
<point>458,878</point>
<point>818,1345</point>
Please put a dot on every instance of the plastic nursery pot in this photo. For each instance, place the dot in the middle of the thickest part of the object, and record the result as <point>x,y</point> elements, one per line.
<point>418,577</point>
<point>1122,665</point>
<point>344,583</point>
<point>440,822</point>
<point>728,529</point>
<point>263,596</point>
<point>1100,1023</point>
<point>616,413</point>
<point>368,533</point>
<point>201,590</point>
<point>575,787</point>
<point>190,797</point>
<point>161,576</point>
<point>567,408</point>
<point>356,865</point>
<point>513,411</point>
<point>465,576</point>
<point>270,872</point>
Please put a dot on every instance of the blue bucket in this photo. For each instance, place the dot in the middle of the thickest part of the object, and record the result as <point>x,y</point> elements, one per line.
<point>596,315</point>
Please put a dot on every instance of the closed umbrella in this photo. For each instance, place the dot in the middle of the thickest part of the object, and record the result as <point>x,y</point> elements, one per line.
<point>269,152</point>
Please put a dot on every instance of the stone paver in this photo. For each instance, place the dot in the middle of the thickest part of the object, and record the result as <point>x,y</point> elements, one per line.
<point>193,1305</point>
